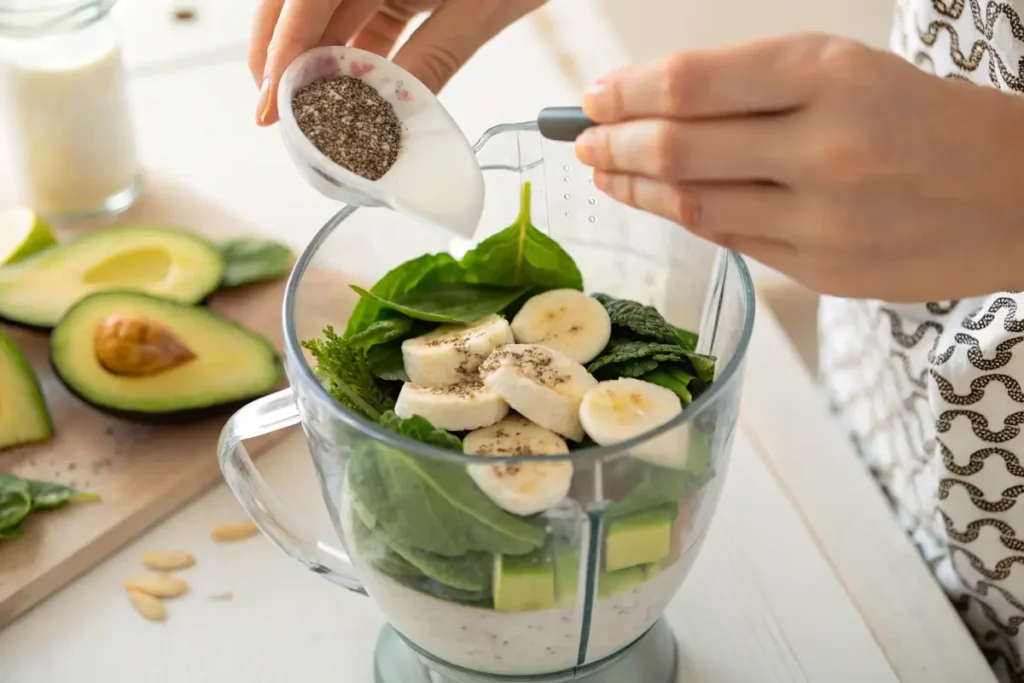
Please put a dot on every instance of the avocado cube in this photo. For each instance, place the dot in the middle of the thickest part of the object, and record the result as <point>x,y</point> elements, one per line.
<point>524,583</point>
<point>610,584</point>
<point>640,538</point>
<point>567,576</point>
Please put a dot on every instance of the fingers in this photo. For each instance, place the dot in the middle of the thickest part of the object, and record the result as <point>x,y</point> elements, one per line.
<point>380,34</point>
<point>262,31</point>
<point>300,24</point>
<point>737,150</point>
<point>768,75</point>
<point>351,17</point>
<point>453,33</point>
<point>708,209</point>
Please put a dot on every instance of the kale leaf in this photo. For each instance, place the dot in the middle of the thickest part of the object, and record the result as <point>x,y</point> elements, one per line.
<point>644,321</point>
<point>621,354</point>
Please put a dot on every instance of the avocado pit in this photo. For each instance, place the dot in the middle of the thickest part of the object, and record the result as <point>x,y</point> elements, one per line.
<point>136,346</point>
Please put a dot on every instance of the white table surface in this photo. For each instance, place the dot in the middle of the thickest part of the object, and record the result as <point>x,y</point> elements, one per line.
<point>804,575</point>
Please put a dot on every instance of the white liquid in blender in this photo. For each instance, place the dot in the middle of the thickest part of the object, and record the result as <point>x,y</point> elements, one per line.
<point>71,127</point>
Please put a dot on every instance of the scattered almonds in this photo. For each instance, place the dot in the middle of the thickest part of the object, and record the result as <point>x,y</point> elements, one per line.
<point>158,586</point>
<point>150,607</point>
<point>234,531</point>
<point>168,560</point>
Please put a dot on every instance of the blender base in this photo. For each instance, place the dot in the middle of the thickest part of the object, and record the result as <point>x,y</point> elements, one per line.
<point>651,659</point>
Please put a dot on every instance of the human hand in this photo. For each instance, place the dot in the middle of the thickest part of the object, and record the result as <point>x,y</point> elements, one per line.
<point>844,167</point>
<point>455,29</point>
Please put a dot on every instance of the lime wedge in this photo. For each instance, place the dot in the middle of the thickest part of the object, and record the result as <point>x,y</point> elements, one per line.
<point>22,233</point>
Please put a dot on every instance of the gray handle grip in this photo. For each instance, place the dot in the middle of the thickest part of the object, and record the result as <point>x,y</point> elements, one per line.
<point>563,124</point>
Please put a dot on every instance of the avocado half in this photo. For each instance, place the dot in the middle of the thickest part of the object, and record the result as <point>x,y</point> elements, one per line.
<point>24,417</point>
<point>168,262</point>
<point>228,364</point>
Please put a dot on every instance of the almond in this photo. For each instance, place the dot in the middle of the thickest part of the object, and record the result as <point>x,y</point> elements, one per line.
<point>168,560</point>
<point>234,531</point>
<point>223,597</point>
<point>158,585</point>
<point>148,606</point>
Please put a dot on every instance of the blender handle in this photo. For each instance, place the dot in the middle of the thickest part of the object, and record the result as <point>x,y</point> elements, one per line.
<point>563,124</point>
<point>263,416</point>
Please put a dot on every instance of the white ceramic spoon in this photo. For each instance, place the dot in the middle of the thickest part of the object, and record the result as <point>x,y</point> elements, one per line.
<point>436,177</point>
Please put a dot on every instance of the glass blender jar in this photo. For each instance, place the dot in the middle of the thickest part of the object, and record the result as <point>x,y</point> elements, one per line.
<point>65,106</point>
<point>576,592</point>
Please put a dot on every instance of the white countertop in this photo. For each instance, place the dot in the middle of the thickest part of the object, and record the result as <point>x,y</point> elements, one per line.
<point>804,575</point>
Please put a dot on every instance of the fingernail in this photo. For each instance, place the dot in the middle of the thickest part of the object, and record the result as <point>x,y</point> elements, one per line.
<point>595,101</point>
<point>263,104</point>
<point>586,147</point>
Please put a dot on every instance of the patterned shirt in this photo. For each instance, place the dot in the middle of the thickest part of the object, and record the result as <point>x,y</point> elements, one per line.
<point>931,393</point>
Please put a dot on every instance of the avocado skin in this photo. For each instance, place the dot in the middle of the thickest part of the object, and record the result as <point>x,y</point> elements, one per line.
<point>169,418</point>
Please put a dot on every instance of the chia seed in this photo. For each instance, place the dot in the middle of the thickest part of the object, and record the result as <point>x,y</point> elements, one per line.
<point>350,123</point>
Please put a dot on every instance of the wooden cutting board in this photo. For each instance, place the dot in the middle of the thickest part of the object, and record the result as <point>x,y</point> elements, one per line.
<point>142,473</point>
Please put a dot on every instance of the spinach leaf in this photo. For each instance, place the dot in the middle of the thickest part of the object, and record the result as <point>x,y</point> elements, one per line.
<point>522,255</point>
<point>20,497</point>
<point>657,487</point>
<point>419,428</point>
<point>15,501</point>
<point>644,321</point>
<point>387,363</point>
<point>251,259</point>
<point>12,531</point>
<point>621,351</point>
<point>675,378</point>
<point>434,505</point>
<point>50,495</point>
<point>469,572</point>
<point>402,279</point>
<point>383,332</point>
<point>374,550</point>
<point>448,302</point>
<point>342,369</point>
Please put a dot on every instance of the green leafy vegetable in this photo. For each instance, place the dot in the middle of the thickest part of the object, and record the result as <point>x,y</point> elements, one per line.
<point>434,505</point>
<point>522,255</point>
<point>251,259</point>
<point>373,549</point>
<point>675,378</point>
<point>428,269</point>
<point>342,369</point>
<point>448,302</point>
<point>419,428</point>
<point>15,500</point>
<point>20,497</point>
<point>387,363</point>
<point>620,353</point>
<point>644,321</point>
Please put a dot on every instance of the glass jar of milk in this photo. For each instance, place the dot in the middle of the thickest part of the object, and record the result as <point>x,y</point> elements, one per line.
<point>63,96</point>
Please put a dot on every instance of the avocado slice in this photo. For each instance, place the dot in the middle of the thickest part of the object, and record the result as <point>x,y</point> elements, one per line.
<point>168,262</point>
<point>567,575</point>
<point>640,538</point>
<point>145,358</point>
<point>24,417</point>
<point>610,584</point>
<point>524,583</point>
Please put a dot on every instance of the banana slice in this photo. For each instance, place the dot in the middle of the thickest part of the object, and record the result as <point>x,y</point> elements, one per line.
<point>522,488</point>
<point>456,407</point>
<point>566,320</point>
<point>618,410</point>
<point>451,354</point>
<point>540,383</point>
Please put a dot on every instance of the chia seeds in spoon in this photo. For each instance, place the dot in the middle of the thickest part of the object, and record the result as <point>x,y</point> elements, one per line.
<point>350,123</point>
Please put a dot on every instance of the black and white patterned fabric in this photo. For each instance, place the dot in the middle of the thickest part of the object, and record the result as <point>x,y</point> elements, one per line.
<point>931,393</point>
